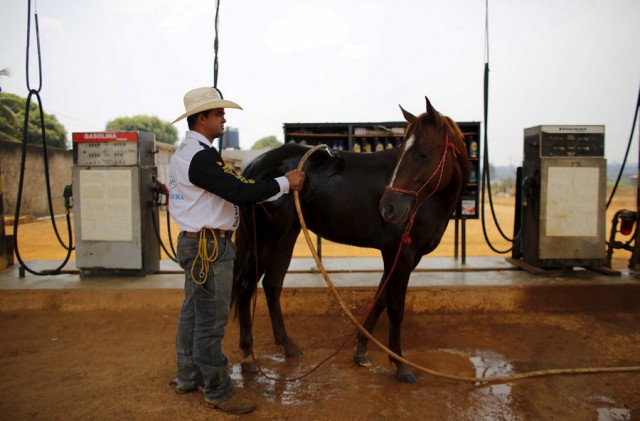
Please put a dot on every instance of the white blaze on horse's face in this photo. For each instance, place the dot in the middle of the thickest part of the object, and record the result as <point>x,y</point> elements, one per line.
<point>407,145</point>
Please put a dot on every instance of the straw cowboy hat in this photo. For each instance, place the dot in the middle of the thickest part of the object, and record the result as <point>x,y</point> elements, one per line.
<point>202,99</point>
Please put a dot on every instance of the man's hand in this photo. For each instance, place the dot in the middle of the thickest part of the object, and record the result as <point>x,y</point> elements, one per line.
<point>296,179</point>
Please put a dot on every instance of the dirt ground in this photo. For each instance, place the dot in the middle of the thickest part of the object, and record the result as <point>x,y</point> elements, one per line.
<point>117,365</point>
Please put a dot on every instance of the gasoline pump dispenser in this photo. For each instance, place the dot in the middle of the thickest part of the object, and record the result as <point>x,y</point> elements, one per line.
<point>563,197</point>
<point>114,177</point>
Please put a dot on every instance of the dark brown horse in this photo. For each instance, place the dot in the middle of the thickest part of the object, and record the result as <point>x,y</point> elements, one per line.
<point>392,199</point>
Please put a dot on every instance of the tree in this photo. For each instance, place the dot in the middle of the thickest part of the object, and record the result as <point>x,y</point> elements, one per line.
<point>12,110</point>
<point>8,120</point>
<point>163,130</point>
<point>268,142</point>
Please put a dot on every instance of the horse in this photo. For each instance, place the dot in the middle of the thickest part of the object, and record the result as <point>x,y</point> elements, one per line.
<point>398,201</point>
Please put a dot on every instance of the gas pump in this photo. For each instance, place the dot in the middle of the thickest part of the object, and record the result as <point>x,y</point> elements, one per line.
<point>563,197</point>
<point>113,180</point>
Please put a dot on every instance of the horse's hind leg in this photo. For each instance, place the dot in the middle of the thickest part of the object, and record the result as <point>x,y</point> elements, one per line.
<point>272,284</point>
<point>246,276</point>
<point>360,356</point>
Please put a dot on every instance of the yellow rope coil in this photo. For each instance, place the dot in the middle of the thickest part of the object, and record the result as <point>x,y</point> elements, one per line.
<point>204,256</point>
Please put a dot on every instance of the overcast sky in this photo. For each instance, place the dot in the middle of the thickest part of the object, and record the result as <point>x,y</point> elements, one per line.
<point>286,61</point>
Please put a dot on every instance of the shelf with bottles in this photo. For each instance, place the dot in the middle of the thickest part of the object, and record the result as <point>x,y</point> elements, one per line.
<point>357,137</point>
<point>374,144</point>
<point>335,136</point>
<point>468,207</point>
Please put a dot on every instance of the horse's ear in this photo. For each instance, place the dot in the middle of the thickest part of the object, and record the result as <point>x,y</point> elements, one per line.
<point>407,115</point>
<point>432,114</point>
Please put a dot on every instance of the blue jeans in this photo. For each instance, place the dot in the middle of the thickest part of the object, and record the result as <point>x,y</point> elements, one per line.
<point>203,318</point>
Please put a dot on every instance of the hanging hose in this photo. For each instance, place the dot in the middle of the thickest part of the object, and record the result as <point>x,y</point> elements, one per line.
<point>626,154</point>
<point>486,176</point>
<point>215,48</point>
<point>25,132</point>
<point>345,308</point>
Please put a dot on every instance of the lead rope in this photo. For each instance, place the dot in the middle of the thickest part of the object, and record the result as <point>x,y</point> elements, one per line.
<point>499,379</point>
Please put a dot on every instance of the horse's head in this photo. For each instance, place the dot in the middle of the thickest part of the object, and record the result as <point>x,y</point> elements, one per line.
<point>424,166</point>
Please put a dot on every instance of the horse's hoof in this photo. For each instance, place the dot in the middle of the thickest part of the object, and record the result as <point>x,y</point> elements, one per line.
<point>407,378</point>
<point>249,366</point>
<point>362,361</point>
<point>291,350</point>
<point>294,354</point>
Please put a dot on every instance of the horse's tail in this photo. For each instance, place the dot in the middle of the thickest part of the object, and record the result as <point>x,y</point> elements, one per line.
<point>245,276</point>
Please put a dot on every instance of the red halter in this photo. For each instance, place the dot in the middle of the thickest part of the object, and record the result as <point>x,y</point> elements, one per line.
<point>406,239</point>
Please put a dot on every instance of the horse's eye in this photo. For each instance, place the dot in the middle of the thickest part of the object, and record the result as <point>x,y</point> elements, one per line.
<point>423,154</point>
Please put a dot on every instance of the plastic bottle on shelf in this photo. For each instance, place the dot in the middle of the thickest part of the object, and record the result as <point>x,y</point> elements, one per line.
<point>356,146</point>
<point>366,146</point>
<point>473,148</point>
<point>473,174</point>
<point>377,145</point>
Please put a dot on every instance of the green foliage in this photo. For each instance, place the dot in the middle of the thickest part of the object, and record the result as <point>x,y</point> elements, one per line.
<point>268,142</point>
<point>163,130</point>
<point>8,122</point>
<point>12,110</point>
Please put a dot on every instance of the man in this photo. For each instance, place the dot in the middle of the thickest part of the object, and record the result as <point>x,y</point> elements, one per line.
<point>204,195</point>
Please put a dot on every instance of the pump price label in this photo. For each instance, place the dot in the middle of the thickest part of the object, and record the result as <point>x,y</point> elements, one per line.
<point>107,153</point>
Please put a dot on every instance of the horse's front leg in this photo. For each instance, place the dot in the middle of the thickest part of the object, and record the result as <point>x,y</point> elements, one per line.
<point>360,356</point>
<point>397,293</point>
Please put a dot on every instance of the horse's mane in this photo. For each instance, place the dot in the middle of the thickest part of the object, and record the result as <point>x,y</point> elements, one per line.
<point>452,127</point>
<point>449,124</point>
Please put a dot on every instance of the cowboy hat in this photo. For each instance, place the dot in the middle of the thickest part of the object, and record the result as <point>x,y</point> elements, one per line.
<point>202,99</point>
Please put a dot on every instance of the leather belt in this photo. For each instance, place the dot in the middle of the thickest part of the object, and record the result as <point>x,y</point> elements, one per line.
<point>217,232</point>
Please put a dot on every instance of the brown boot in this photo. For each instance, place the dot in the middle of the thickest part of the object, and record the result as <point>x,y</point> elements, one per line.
<point>181,390</point>
<point>236,404</point>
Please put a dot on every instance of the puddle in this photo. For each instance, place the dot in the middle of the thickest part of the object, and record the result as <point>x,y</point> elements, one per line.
<point>277,381</point>
<point>331,385</point>
<point>494,401</point>
<point>614,414</point>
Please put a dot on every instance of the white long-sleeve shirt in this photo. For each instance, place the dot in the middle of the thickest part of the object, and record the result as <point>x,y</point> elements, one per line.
<point>205,193</point>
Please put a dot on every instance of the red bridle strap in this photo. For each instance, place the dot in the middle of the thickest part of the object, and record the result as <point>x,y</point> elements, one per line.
<point>406,239</point>
<point>439,168</point>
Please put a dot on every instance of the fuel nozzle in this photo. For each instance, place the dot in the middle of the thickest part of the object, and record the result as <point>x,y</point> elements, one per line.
<point>160,190</point>
<point>68,196</point>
